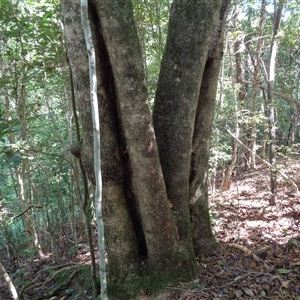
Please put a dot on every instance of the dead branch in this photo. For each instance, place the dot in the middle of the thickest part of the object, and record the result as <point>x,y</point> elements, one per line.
<point>72,270</point>
<point>59,286</point>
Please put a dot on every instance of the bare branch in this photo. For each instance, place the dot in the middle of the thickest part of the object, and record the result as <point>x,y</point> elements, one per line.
<point>26,210</point>
<point>286,98</point>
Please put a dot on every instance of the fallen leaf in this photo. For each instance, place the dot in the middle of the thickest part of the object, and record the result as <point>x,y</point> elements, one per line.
<point>263,293</point>
<point>294,242</point>
<point>283,271</point>
<point>238,277</point>
<point>248,292</point>
<point>239,293</point>
<point>285,284</point>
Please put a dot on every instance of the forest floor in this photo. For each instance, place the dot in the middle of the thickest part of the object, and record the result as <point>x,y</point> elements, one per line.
<point>258,253</point>
<point>258,256</point>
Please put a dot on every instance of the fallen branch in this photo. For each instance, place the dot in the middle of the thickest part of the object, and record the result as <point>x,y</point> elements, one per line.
<point>72,270</point>
<point>284,176</point>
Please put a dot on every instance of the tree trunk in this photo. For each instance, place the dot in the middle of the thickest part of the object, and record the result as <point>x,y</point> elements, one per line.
<point>139,176</point>
<point>178,95</point>
<point>9,282</point>
<point>256,81</point>
<point>121,239</point>
<point>203,238</point>
<point>270,92</point>
<point>226,181</point>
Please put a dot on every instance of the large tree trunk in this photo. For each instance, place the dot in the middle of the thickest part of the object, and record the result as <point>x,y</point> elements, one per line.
<point>183,113</point>
<point>203,238</point>
<point>144,236</point>
<point>190,29</point>
<point>146,192</point>
<point>121,240</point>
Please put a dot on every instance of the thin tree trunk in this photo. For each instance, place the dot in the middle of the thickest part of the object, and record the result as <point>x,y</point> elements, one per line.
<point>21,169</point>
<point>227,179</point>
<point>97,145</point>
<point>256,80</point>
<point>9,282</point>
<point>271,103</point>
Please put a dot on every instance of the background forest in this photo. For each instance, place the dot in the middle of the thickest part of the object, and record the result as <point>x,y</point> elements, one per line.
<point>256,130</point>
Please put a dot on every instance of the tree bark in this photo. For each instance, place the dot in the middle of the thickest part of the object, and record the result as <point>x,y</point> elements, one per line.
<point>9,282</point>
<point>189,36</point>
<point>139,177</point>
<point>120,235</point>
<point>203,238</point>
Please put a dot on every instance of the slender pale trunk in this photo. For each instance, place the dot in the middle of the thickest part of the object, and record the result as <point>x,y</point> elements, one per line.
<point>271,103</point>
<point>9,282</point>
<point>227,179</point>
<point>21,169</point>
<point>97,146</point>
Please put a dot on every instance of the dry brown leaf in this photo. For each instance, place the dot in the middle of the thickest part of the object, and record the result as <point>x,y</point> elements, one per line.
<point>286,284</point>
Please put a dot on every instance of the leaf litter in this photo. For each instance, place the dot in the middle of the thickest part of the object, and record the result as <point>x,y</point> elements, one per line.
<point>258,253</point>
<point>257,256</point>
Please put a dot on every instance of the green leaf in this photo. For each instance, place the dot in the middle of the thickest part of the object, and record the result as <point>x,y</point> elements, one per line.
<point>195,284</point>
<point>238,277</point>
<point>294,242</point>
<point>283,271</point>
<point>249,292</point>
<point>222,263</point>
